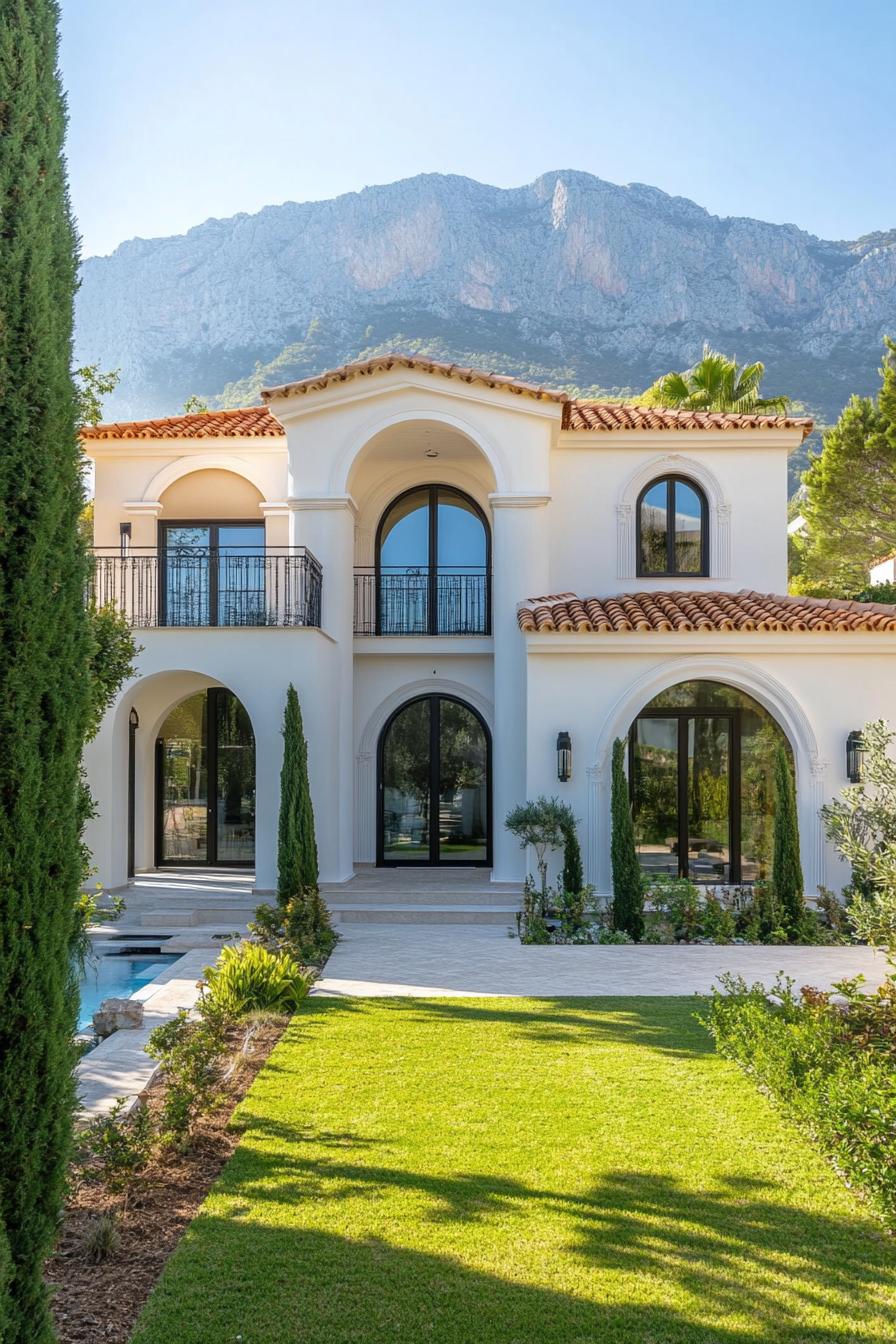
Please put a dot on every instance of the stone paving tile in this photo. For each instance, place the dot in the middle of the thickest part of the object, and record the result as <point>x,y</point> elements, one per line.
<point>463,960</point>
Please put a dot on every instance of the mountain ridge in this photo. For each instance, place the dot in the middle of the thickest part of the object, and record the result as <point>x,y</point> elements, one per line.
<point>568,280</point>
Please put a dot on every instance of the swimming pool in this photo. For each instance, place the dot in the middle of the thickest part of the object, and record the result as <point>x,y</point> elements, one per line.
<point>117,975</point>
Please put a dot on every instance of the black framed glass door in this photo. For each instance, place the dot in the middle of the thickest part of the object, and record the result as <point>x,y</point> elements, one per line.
<point>434,785</point>
<point>212,573</point>
<point>684,771</point>
<point>205,783</point>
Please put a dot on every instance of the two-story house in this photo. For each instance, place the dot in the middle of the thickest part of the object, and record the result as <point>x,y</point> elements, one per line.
<point>475,585</point>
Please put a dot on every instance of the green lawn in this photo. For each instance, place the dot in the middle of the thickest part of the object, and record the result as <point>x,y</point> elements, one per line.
<point>511,1171</point>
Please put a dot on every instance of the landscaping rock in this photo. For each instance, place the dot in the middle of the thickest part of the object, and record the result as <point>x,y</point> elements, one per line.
<point>115,1014</point>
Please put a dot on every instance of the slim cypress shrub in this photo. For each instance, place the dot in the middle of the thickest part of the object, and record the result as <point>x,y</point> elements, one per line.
<point>305,918</point>
<point>787,872</point>
<point>44,658</point>
<point>628,891</point>
<point>297,847</point>
<point>573,877</point>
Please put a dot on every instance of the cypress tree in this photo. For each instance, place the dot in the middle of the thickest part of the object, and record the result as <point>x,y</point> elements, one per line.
<point>573,878</point>
<point>297,848</point>
<point>787,873</point>
<point>628,892</point>
<point>44,657</point>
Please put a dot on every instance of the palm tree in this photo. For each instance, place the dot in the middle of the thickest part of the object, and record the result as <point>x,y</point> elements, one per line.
<point>715,383</point>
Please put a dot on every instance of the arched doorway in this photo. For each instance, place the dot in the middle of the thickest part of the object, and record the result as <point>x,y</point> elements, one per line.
<point>205,783</point>
<point>701,772</point>
<point>432,564</point>
<point>434,785</point>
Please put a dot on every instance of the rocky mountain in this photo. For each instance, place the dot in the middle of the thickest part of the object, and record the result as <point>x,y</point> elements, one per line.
<point>570,280</point>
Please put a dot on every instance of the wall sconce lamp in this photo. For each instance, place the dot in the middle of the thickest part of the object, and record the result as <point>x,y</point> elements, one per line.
<point>134,720</point>
<point>854,757</point>
<point>564,757</point>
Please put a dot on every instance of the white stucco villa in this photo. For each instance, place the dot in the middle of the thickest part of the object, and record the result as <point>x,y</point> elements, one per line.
<point>475,585</point>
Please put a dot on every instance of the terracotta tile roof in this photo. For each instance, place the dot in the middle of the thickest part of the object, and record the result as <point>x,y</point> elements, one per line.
<point>250,422</point>
<point>383,363</point>
<point>675,611</point>
<point>600,415</point>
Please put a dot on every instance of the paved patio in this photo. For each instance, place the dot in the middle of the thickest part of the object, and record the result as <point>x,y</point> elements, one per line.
<point>458,960</point>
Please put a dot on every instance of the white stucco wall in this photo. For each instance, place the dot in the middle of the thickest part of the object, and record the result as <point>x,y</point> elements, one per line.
<point>818,687</point>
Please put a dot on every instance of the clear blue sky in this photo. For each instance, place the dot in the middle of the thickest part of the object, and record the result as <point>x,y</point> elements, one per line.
<point>185,109</point>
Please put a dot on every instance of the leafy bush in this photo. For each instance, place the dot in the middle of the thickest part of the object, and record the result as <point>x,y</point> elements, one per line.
<point>300,927</point>
<point>573,879</point>
<point>190,1053</point>
<point>613,936</point>
<point>115,1147</point>
<point>544,824</point>
<point>100,1238</point>
<point>248,977</point>
<point>830,1064</point>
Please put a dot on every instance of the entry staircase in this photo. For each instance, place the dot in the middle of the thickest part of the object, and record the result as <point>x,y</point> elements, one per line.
<point>206,903</point>
<point>423,896</point>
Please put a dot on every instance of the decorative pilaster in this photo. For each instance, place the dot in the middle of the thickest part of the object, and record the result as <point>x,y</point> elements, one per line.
<point>625,541</point>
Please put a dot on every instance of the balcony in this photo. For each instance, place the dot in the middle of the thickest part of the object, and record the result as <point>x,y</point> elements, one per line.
<point>422,601</point>
<point>190,587</point>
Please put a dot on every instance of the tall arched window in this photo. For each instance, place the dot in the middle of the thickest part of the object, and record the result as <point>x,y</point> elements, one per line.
<point>432,565</point>
<point>673,529</point>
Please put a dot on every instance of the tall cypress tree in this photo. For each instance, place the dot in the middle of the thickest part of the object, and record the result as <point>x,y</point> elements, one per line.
<point>787,872</point>
<point>628,891</point>
<point>297,848</point>
<point>44,656</point>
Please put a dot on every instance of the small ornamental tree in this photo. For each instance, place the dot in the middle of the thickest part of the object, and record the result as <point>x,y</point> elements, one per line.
<point>862,825</point>
<point>628,890</point>
<point>787,874</point>
<point>542,824</point>
<point>296,845</point>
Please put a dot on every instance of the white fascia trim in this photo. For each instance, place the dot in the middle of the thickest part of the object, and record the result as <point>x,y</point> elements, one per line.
<point>672,440</point>
<point>746,642</point>
<point>286,408</point>
<point>438,646</point>
<point>297,503</point>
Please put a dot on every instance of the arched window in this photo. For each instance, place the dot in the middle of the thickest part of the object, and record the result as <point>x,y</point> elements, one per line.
<point>432,565</point>
<point>702,760</point>
<point>673,531</point>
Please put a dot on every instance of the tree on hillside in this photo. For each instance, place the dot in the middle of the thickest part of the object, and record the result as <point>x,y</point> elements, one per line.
<point>850,504</point>
<point>715,383</point>
<point>44,659</point>
<point>92,384</point>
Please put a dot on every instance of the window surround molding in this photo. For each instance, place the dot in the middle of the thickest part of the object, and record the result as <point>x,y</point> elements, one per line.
<point>718,517</point>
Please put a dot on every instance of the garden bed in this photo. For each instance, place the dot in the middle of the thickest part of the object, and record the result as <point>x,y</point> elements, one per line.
<point>102,1301</point>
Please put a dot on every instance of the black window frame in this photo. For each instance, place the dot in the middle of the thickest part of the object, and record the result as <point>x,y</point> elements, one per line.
<point>213,524</point>
<point>432,491</point>
<point>671,572</point>
<point>733,714</point>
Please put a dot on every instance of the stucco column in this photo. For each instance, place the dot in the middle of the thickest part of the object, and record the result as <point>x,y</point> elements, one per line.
<point>325,524</point>
<point>520,569</point>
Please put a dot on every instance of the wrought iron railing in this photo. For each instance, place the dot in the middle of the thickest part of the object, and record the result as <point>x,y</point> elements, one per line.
<point>422,601</point>
<point>198,587</point>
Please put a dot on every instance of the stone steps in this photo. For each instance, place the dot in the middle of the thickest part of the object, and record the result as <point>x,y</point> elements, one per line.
<point>406,913</point>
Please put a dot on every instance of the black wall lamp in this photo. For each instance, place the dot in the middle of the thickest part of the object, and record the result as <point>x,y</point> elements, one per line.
<point>855,756</point>
<point>564,757</point>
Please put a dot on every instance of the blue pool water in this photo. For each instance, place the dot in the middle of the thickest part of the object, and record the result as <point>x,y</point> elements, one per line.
<point>117,977</point>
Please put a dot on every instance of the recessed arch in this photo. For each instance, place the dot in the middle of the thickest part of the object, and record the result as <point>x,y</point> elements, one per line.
<point>718,509</point>
<point>771,694</point>
<point>185,466</point>
<point>346,461</point>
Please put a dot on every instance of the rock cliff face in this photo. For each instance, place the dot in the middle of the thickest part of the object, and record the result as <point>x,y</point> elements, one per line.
<point>570,280</point>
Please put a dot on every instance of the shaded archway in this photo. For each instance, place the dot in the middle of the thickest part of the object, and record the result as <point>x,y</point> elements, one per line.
<point>701,772</point>
<point>205,783</point>
<point>434,785</point>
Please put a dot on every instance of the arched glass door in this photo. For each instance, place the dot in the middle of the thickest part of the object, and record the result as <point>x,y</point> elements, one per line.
<point>432,559</point>
<point>205,783</point>
<point>434,785</point>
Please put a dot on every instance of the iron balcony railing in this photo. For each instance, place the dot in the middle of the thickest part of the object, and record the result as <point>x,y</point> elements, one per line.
<point>422,601</point>
<point>199,586</point>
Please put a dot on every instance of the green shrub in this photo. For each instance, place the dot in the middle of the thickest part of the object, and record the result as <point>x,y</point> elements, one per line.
<point>531,923</point>
<point>100,1238</point>
<point>544,824</point>
<point>300,927</point>
<point>716,919</point>
<point>678,900</point>
<point>787,874</point>
<point>608,937</point>
<point>830,1067</point>
<point>191,1054</point>
<point>573,877</point>
<point>248,978</point>
<point>117,1146</point>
